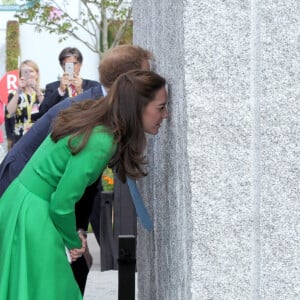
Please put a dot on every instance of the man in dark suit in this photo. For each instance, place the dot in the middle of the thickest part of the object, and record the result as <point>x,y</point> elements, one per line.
<point>71,84</point>
<point>115,62</point>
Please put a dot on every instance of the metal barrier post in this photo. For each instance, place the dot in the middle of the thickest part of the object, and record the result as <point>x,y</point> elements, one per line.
<point>127,265</point>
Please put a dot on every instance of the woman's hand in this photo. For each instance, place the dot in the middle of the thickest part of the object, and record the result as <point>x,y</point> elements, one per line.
<point>33,84</point>
<point>13,103</point>
<point>77,252</point>
<point>22,82</point>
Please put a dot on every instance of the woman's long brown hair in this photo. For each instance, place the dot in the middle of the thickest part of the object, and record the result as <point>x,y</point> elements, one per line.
<point>121,114</point>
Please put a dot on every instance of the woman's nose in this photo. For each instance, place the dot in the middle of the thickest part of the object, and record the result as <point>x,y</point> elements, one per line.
<point>165,113</point>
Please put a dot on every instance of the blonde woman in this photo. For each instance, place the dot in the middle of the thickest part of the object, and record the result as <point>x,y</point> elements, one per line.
<point>23,104</point>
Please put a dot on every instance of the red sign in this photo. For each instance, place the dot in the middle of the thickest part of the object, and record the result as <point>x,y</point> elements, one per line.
<point>8,83</point>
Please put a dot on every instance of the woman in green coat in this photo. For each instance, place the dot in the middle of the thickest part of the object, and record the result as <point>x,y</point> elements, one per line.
<point>38,238</point>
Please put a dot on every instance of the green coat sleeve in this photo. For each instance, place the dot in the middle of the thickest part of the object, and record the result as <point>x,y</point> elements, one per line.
<point>81,170</point>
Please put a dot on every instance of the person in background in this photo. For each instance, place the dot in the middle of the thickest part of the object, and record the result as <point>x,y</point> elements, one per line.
<point>38,226</point>
<point>2,118</point>
<point>70,84</point>
<point>23,105</point>
<point>115,62</point>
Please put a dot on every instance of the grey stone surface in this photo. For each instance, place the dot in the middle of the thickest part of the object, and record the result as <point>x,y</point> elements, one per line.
<point>223,184</point>
<point>163,253</point>
<point>280,151</point>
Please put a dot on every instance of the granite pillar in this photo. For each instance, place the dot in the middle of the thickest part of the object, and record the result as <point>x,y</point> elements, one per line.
<point>223,185</point>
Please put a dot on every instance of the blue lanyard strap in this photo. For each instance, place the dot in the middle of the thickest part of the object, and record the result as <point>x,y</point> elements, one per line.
<point>138,202</point>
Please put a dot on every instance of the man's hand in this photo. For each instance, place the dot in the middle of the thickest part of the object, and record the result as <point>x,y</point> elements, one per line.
<point>77,82</point>
<point>64,82</point>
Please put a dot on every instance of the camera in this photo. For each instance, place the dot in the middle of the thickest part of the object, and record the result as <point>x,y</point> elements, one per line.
<point>69,68</point>
<point>25,73</point>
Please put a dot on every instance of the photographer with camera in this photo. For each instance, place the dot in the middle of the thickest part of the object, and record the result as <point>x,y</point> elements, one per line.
<point>22,109</point>
<point>70,84</point>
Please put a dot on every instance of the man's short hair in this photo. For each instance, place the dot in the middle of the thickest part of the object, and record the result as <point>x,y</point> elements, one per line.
<point>119,60</point>
<point>68,52</point>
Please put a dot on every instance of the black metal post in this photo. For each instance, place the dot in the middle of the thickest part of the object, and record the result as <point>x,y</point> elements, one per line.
<point>127,264</point>
<point>107,250</point>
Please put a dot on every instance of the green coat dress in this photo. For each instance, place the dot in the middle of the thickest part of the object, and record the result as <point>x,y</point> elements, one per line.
<point>37,219</point>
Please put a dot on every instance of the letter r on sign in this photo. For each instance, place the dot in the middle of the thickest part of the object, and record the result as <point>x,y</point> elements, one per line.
<point>11,82</point>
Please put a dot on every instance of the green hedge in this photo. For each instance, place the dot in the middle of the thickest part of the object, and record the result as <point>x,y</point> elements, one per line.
<point>12,45</point>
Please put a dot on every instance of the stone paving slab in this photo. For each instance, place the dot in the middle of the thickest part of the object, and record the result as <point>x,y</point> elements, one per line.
<point>100,285</point>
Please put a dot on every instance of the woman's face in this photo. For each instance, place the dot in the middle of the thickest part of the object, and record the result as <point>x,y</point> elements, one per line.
<point>29,72</point>
<point>155,112</point>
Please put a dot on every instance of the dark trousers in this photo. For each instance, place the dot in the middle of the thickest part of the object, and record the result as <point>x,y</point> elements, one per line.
<point>94,208</point>
<point>124,222</point>
<point>83,211</point>
<point>80,271</point>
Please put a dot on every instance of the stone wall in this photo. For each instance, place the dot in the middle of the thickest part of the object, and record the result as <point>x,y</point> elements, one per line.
<point>223,184</point>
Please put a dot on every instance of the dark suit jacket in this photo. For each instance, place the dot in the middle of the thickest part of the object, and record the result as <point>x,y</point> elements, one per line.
<point>52,97</point>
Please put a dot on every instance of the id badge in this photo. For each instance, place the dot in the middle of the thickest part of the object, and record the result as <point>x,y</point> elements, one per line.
<point>35,108</point>
<point>27,126</point>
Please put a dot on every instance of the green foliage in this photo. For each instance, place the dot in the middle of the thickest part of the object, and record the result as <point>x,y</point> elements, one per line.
<point>127,36</point>
<point>12,45</point>
<point>101,31</point>
<point>112,31</point>
<point>90,229</point>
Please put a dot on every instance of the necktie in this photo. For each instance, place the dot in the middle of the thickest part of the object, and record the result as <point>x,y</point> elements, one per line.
<point>73,90</point>
<point>138,202</point>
